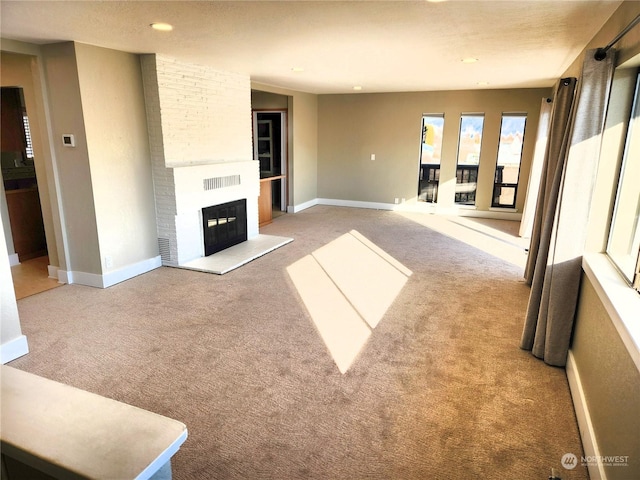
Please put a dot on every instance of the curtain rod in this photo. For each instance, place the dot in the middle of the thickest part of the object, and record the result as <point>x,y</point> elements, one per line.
<point>601,53</point>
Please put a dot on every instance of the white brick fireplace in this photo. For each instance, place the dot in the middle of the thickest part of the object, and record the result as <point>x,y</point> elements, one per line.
<point>199,122</point>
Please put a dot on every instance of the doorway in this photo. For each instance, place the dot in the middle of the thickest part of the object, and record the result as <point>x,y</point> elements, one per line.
<point>21,196</point>
<point>270,149</point>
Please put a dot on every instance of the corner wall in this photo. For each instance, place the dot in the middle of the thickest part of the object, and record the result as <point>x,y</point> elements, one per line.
<point>104,181</point>
<point>74,174</point>
<point>113,107</point>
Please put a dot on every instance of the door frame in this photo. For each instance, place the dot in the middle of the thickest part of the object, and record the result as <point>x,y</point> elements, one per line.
<point>284,161</point>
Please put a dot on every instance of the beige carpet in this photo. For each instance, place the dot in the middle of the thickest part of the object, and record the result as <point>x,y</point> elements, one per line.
<point>440,389</point>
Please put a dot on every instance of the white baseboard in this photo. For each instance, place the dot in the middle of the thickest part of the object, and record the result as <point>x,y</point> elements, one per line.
<point>110,278</point>
<point>493,213</point>
<point>14,260</point>
<point>65,276</point>
<point>53,272</point>
<point>84,278</point>
<point>420,207</point>
<point>131,271</point>
<point>357,204</point>
<point>302,206</point>
<point>589,443</point>
<point>13,349</point>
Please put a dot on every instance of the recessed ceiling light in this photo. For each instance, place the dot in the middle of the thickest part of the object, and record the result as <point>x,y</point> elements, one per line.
<point>297,69</point>
<point>469,60</point>
<point>483,84</point>
<point>357,87</point>
<point>162,27</point>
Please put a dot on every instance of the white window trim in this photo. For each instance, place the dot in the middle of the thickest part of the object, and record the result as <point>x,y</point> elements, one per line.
<point>621,302</point>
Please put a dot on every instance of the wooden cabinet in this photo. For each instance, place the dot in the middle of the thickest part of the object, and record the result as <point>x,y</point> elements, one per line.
<point>265,147</point>
<point>27,227</point>
<point>265,208</point>
<point>265,200</point>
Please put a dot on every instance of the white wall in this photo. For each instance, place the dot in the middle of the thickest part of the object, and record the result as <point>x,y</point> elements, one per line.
<point>206,113</point>
<point>4,215</point>
<point>199,124</point>
<point>12,343</point>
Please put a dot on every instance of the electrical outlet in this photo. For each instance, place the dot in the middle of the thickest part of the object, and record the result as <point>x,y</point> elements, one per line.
<point>108,261</point>
<point>402,201</point>
<point>373,156</point>
<point>396,200</point>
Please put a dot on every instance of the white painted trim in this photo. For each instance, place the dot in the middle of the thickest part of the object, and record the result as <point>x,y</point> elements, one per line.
<point>84,278</point>
<point>418,207</point>
<point>13,259</point>
<point>13,349</point>
<point>53,272</point>
<point>621,302</point>
<point>503,209</point>
<point>302,206</point>
<point>131,271</point>
<point>110,278</point>
<point>422,207</point>
<point>357,204</point>
<point>587,434</point>
<point>65,276</point>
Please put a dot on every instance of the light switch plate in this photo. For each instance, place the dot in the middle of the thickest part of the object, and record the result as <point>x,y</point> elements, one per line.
<point>68,140</point>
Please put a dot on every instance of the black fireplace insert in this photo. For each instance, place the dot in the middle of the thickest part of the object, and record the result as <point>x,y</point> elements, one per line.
<point>224,225</point>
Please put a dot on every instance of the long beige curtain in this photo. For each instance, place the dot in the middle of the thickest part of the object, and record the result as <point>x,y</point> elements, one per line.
<point>560,225</point>
<point>537,164</point>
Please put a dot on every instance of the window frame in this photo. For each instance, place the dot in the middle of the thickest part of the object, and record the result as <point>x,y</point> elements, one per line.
<point>515,186</point>
<point>630,272</point>
<point>432,174</point>
<point>460,173</point>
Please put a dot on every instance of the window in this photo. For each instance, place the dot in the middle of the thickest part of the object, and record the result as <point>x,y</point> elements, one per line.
<point>430,151</point>
<point>505,183</point>
<point>27,135</point>
<point>623,246</point>
<point>469,144</point>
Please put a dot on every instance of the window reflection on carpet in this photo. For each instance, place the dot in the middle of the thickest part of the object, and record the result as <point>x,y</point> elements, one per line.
<point>347,286</point>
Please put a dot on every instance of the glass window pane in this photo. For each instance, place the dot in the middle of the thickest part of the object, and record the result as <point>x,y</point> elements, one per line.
<point>624,237</point>
<point>507,174</point>
<point>430,152</point>
<point>469,144</point>
<point>432,126</point>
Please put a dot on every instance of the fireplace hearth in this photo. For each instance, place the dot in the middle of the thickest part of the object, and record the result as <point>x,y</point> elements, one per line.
<point>224,225</point>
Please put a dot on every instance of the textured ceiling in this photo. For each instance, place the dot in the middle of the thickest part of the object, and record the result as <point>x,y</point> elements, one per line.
<point>381,45</point>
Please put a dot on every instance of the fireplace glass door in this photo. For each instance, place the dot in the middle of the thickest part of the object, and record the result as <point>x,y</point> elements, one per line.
<point>224,225</point>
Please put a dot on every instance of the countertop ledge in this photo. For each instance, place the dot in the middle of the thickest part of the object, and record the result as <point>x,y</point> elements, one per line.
<point>71,433</point>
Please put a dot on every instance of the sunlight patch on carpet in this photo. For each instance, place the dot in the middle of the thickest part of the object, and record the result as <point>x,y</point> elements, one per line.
<point>490,240</point>
<point>347,286</point>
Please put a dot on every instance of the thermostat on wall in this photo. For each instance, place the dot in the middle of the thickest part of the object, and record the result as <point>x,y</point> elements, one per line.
<point>68,140</point>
